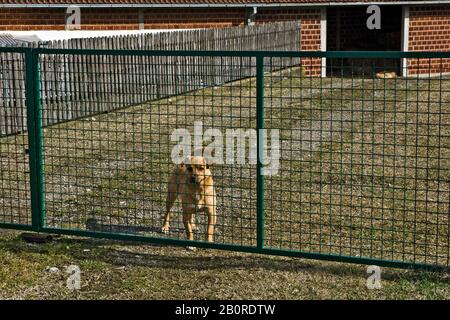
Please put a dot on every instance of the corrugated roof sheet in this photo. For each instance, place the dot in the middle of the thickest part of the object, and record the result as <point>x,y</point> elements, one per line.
<point>7,40</point>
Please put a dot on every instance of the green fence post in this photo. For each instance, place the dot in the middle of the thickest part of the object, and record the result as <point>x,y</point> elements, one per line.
<point>260,148</point>
<point>34,126</point>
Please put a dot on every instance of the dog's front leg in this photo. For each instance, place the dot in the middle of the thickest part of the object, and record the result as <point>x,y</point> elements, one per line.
<point>170,200</point>
<point>166,226</point>
<point>211,223</point>
<point>187,225</point>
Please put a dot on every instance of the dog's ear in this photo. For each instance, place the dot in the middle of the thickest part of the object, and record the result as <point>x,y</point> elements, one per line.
<point>185,161</point>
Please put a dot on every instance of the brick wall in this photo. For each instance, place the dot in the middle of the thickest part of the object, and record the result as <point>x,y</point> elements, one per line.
<point>120,19</point>
<point>310,31</point>
<point>128,19</point>
<point>193,18</point>
<point>310,19</point>
<point>429,30</point>
<point>54,19</point>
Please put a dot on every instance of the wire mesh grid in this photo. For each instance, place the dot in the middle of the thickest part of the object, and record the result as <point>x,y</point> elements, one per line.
<point>110,171</point>
<point>364,161</point>
<point>363,167</point>
<point>15,197</point>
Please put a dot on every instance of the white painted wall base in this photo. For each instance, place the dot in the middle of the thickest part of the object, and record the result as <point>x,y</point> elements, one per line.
<point>428,75</point>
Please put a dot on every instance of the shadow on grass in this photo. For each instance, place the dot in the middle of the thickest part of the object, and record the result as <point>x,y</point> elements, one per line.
<point>174,257</point>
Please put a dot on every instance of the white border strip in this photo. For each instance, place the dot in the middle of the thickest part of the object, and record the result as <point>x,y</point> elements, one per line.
<point>405,39</point>
<point>323,40</point>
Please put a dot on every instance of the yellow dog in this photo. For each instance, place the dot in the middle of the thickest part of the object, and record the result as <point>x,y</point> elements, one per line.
<point>192,181</point>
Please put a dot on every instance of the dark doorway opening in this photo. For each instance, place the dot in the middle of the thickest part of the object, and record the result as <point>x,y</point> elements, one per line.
<point>347,31</point>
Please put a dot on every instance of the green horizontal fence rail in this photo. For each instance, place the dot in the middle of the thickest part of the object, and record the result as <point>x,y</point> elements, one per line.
<point>364,163</point>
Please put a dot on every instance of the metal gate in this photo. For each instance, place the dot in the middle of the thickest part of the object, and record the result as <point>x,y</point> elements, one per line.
<point>350,167</point>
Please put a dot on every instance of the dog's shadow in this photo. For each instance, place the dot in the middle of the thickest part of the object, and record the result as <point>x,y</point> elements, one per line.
<point>93,224</point>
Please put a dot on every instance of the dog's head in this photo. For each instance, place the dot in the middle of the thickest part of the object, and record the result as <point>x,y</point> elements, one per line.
<point>198,168</point>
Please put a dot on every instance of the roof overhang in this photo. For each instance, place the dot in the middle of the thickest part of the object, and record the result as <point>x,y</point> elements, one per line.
<point>246,5</point>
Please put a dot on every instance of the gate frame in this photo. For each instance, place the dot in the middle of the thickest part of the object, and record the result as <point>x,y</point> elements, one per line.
<point>35,139</point>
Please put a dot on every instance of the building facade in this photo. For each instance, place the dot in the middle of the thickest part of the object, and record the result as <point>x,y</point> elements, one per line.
<point>414,25</point>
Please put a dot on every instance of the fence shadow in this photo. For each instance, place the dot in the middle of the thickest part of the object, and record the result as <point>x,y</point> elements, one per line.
<point>179,258</point>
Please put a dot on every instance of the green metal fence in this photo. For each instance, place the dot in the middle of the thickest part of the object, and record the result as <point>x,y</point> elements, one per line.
<point>364,154</point>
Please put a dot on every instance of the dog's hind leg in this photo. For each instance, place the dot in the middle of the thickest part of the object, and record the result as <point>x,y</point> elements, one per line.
<point>193,225</point>
<point>172,194</point>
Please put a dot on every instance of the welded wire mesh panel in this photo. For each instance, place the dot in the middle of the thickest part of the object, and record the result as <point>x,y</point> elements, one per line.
<point>110,171</point>
<point>365,159</point>
<point>354,165</point>
<point>15,198</point>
